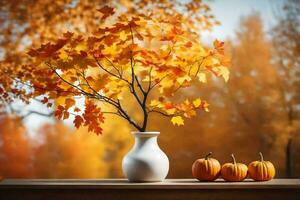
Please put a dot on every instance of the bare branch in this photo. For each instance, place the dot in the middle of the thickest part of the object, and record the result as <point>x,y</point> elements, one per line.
<point>160,112</point>
<point>112,64</point>
<point>150,77</point>
<point>139,84</point>
<point>37,113</point>
<point>110,73</point>
<point>72,85</point>
<point>159,81</point>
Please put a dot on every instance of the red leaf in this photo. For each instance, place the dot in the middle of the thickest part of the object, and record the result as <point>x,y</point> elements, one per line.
<point>49,105</point>
<point>59,112</point>
<point>45,100</point>
<point>83,54</point>
<point>78,121</point>
<point>68,35</point>
<point>169,105</point>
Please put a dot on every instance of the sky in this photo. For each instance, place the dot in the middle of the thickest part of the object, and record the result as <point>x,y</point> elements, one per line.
<point>228,12</point>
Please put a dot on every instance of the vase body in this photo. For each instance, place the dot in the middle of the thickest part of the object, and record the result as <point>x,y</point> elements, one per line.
<point>145,162</point>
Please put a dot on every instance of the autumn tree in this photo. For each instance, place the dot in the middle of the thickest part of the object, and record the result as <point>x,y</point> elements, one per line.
<point>256,97</point>
<point>286,40</point>
<point>133,55</point>
<point>28,23</point>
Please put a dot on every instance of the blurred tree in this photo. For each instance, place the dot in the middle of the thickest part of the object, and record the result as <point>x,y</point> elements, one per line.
<point>286,40</point>
<point>68,154</point>
<point>16,151</point>
<point>256,96</point>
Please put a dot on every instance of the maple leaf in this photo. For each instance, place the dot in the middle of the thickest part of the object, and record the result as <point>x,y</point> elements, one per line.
<point>66,115</point>
<point>197,102</point>
<point>45,100</point>
<point>76,109</point>
<point>49,105</point>
<point>106,12</point>
<point>202,77</point>
<point>204,106</point>
<point>59,112</point>
<point>219,46</point>
<point>78,121</point>
<point>69,102</point>
<point>222,71</point>
<point>177,120</point>
<point>68,35</point>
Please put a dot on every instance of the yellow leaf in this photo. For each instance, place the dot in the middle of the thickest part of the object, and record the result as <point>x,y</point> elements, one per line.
<point>184,78</point>
<point>171,111</point>
<point>60,100</point>
<point>123,36</point>
<point>177,121</point>
<point>197,102</point>
<point>81,47</point>
<point>156,103</point>
<point>202,77</point>
<point>224,72</point>
<point>167,82</point>
<point>216,43</point>
<point>110,50</point>
<point>63,55</point>
<point>210,61</point>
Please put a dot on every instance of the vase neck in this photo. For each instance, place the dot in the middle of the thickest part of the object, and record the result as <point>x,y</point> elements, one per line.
<point>145,140</point>
<point>145,134</point>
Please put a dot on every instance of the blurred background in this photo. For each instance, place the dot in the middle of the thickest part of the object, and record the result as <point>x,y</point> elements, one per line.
<point>257,110</point>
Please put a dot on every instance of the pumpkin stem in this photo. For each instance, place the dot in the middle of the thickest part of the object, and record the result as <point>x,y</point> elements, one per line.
<point>209,154</point>
<point>233,159</point>
<point>261,157</point>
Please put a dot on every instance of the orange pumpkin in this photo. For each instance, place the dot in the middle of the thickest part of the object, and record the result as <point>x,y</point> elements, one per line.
<point>234,171</point>
<point>206,169</point>
<point>261,170</point>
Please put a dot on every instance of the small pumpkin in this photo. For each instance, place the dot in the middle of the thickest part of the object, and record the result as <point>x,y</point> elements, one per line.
<point>234,171</point>
<point>206,169</point>
<point>261,170</point>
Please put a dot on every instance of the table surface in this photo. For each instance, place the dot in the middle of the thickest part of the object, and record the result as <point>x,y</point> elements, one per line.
<point>167,184</point>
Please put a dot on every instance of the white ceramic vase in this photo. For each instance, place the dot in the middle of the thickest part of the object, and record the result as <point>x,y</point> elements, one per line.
<point>145,162</point>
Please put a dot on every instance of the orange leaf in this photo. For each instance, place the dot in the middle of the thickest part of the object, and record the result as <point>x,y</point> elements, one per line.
<point>66,115</point>
<point>106,11</point>
<point>69,102</point>
<point>76,109</point>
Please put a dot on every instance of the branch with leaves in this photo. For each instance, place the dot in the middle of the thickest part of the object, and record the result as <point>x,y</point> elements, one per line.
<point>132,56</point>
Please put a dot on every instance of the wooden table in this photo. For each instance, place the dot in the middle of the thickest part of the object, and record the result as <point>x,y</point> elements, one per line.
<point>108,189</point>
